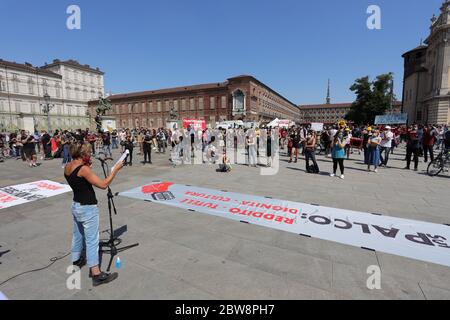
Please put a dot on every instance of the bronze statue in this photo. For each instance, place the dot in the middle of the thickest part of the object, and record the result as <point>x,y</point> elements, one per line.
<point>173,114</point>
<point>103,105</point>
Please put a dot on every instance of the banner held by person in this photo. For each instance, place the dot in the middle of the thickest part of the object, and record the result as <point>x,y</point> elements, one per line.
<point>408,238</point>
<point>14,195</point>
<point>196,124</point>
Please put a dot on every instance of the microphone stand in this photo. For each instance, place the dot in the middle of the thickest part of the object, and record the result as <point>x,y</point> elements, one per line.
<point>113,242</point>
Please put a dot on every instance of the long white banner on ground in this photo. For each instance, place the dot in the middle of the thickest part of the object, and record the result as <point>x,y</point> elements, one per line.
<point>408,238</point>
<point>28,192</point>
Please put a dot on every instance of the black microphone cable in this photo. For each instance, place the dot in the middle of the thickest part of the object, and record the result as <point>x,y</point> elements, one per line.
<point>52,260</point>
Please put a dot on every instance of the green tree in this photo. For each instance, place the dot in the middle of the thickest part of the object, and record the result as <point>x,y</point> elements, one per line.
<point>373,98</point>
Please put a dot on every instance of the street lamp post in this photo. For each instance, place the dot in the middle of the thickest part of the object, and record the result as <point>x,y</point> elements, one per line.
<point>36,125</point>
<point>46,107</point>
<point>88,114</point>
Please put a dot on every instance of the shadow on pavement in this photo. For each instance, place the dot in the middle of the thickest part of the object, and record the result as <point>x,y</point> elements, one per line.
<point>3,252</point>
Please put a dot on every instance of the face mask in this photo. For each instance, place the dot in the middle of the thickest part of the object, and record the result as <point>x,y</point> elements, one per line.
<point>87,160</point>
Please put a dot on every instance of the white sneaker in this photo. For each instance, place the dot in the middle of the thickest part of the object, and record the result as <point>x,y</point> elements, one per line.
<point>332,175</point>
<point>342,177</point>
<point>376,170</point>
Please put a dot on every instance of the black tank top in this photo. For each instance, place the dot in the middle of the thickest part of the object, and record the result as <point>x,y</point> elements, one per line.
<point>83,192</point>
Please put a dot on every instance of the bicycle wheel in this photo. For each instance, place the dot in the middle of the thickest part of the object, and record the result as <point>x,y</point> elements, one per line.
<point>435,167</point>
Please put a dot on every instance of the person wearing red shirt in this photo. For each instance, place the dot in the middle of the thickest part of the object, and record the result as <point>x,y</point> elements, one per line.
<point>412,148</point>
<point>429,139</point>
<point>92,138</point>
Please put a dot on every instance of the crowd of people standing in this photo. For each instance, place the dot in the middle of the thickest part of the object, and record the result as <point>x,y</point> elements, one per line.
<point>29,146</point>
<point>337,142</point>
<point>375,142</point>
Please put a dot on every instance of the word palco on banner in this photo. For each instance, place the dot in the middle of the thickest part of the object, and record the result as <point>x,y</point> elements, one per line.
<point>408,238</point>
<point>196,147</point>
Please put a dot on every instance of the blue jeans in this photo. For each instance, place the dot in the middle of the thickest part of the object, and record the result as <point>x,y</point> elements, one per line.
<point>386,151</point>
<point>114,143</point>
<point>107,150</point>
<point>85,230</point>
<point>66,154</point>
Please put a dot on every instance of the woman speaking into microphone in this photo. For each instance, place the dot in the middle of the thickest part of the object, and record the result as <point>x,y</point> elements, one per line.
<point>85,212</point>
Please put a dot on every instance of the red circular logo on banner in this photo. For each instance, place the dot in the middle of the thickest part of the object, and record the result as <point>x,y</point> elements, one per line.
<point>159,187</point>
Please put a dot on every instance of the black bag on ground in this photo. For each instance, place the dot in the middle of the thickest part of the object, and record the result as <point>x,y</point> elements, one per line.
<point>58,153</point>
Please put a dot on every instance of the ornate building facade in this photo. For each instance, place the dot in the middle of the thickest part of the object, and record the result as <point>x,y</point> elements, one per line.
<point>238,98</point>
<point>327,113</point>
<point>68,84</point>
<point>426,87</point>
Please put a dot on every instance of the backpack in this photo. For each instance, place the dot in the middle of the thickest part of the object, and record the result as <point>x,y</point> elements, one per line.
<point>224,168</point>
<point>58,153</point>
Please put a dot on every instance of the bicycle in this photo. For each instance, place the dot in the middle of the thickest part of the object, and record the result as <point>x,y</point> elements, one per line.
<point>441,163</point>
<point>4,154</point>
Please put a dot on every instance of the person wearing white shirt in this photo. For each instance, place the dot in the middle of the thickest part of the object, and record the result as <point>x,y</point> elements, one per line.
<point>348,139</point>
<point>332,132</point>
<point>386,145</point>
<point>174,138</point>
<point>208,136</point>
<point>211,152</point>
<point>123,138</point>
<point>251,143</point>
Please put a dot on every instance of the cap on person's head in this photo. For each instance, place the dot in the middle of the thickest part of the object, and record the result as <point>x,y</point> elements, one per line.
<point>388,128</point>
<point>369,129</point>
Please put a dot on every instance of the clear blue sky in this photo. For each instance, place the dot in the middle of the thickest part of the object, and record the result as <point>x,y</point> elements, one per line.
<point>294,46</point>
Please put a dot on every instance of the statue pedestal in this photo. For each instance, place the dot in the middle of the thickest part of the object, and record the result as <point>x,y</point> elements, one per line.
<point>172,125</point>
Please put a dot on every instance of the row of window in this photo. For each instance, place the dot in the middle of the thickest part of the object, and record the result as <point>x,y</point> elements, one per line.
<point>31,82</point>
<point>62,123</point>
<point>86,96</point>
<point>269,96</point>
<point>322,112</point>
<point>42,123</point>
<point>274,107</point>
<point>82,76</point>
<point>83,85</point>
<point>278,115</point>
<point>44,89</point>
<point>275,103</point>
<point>168,105</point>
<point>31,107</point>
<point>322,119</point>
